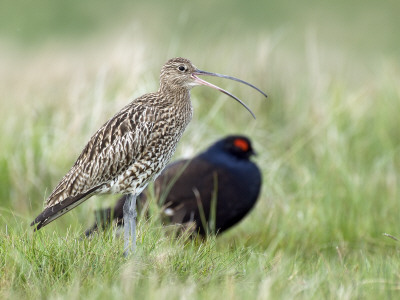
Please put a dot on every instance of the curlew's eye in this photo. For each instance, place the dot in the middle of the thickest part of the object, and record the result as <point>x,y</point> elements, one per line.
<point>182,68</point>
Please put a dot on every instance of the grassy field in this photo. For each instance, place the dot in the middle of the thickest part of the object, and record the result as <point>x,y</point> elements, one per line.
<point>328,139</point>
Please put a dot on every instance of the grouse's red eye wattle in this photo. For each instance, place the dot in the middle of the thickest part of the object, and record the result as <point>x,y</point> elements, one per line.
<point>241,144</point>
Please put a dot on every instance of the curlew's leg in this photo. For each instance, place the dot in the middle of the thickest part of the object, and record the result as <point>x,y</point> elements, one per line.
<point>130,224</point>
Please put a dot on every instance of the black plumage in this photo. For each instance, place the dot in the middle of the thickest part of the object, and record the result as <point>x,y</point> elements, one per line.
<point>223,177</point>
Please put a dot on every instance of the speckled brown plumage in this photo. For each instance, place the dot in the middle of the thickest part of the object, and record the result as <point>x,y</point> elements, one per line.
<point>129,150</point>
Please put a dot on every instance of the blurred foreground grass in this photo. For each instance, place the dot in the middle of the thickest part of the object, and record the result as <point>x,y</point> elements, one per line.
<point>328,141</point>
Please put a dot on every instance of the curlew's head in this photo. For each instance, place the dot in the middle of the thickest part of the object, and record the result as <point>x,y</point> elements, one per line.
<point>179,73</point>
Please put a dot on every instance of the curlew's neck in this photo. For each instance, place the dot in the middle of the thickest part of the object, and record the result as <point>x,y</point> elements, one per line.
<point>177,99</point>
<point>176,95</point>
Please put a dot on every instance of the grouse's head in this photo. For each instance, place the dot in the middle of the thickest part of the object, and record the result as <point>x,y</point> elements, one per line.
<point>235,145</point>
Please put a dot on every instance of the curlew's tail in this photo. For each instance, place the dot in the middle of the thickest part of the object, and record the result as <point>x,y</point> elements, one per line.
<point>53,212</point>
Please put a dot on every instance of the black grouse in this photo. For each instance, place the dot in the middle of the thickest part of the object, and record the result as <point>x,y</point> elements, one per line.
<point>208,193</point>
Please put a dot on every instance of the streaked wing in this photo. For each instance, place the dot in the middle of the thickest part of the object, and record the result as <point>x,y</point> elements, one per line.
<point>110,151</point>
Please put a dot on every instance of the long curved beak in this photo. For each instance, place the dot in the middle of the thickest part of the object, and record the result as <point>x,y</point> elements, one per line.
<point>203,82</point>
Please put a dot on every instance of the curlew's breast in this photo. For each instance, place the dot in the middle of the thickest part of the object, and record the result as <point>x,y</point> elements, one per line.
<point>164,129</point>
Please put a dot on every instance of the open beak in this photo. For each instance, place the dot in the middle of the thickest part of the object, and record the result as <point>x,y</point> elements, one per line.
<point>203,82</point>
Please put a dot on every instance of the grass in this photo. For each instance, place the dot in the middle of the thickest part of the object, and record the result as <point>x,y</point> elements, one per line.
<point>328,141</point>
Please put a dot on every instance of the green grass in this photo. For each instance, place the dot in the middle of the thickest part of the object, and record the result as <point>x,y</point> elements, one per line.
<point>328,141</point>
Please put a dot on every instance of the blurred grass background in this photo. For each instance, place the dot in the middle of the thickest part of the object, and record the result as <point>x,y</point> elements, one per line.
<point>328,141</point>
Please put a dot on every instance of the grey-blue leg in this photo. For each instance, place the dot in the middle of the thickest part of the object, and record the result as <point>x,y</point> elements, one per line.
<point>130,224</point>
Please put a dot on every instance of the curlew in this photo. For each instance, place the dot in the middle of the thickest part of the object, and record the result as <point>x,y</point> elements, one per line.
<point>133,147</point>
<point>208,193</point>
